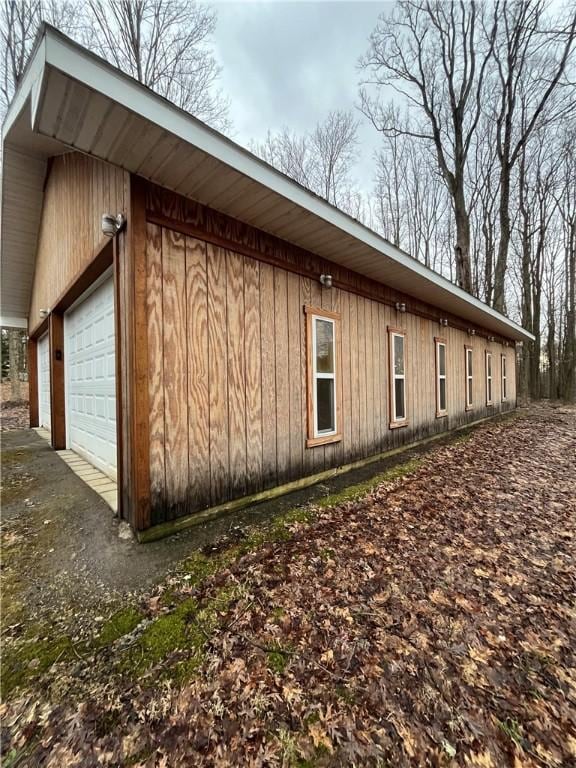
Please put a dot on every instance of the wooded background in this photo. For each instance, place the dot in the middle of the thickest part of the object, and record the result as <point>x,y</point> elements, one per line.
<point>476,172</point>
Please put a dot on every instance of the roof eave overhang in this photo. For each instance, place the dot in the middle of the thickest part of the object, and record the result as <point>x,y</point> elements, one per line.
<point>49,78</point>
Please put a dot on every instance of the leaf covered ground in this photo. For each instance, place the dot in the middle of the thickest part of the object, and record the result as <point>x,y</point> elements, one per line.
<point>14,414</point>
<point>430,622</point>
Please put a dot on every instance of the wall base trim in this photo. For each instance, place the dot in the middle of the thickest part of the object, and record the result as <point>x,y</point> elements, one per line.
<point>172,527</point>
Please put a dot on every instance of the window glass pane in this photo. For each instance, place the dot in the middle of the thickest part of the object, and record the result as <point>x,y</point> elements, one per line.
<point>399,355</point>
<point>399,399</point>
<point>442,359</point>
<point>504,388</point>
<point>489,390</point>
<point>469,353</point>
<point>324,346</point>
<point>489,363</point>
<point>325,412</point>
<point>469,391</point>
<point>442,394</point>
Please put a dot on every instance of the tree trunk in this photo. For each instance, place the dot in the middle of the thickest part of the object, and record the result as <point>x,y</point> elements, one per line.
<point>551,349</point>
<point>535,352</point>
<point>502,260</point>
<point>568,377</point>
<point>14,362</point>
<point>462,246</point>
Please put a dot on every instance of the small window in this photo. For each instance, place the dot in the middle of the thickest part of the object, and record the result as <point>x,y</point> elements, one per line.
<point>441,402</point>
<point>397,344</point>
<point>504,381</point>
<point>488,378</point>
<point>469,378</point>
<point>323,411</point>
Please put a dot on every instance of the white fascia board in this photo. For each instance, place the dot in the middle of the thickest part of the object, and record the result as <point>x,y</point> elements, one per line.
<point>30,84</point>
<point>68,57</point>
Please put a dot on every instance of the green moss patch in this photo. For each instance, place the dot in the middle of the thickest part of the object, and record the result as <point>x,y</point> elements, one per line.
<point>176,639</point>
<point>30,659</point>
<point>173,641</point>
<point>278,659</point>
<point>119,624</point>
<point>358,491</point>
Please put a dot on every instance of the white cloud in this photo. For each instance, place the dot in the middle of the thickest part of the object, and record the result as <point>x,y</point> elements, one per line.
<point>290,63</point>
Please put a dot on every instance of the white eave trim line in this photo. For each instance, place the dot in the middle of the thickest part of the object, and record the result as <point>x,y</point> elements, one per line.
<point>57,51</point>
<point>30,86</point>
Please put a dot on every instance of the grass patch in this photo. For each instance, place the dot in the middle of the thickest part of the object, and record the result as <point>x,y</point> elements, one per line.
<point>30,659</point>
<point>119,624</point>
<point>177,638</point>
<point>278,657</point>
<point>513,730</point>
<point>360,490</point>
<point>463,437</point>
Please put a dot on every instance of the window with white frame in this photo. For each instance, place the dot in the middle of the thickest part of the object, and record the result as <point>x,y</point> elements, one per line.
<point>469,378</point>
<point>323,411</point>
<point>441,396</point>
<point>488,378</point>
<point>397,339</point>
<point>503,377</point>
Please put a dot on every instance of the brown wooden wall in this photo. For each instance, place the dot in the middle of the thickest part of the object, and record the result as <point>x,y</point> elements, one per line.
<point>78,191</point>
<point>227,361</point>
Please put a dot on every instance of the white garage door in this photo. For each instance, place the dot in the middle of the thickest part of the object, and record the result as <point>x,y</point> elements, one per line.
<point>89,349</point>
<point>43,350</point>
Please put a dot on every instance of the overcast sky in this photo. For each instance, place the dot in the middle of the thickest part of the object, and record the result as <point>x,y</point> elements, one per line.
<point>290,63</point>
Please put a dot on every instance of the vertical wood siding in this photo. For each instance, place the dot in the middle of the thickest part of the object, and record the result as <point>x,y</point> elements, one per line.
<point>227,339</point>
<point>78,191</point>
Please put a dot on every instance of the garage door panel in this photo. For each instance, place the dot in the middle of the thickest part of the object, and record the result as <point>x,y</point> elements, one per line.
<point>91,379</point>
<point>44,409</point>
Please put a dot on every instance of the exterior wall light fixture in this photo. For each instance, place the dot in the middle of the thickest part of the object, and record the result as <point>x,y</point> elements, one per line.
<point>44,312</point>
<point>111,224</point>
<point>326,281</point>
<point>443,322</point>
<point>491,338</point>
<point>400,306</point>
<point>471,332</point>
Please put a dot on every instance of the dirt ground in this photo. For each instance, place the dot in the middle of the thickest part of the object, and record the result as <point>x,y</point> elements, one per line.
<point>13,413</point>
<point>427,621</point>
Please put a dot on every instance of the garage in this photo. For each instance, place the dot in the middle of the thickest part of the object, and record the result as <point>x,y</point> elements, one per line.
<point>44,382</point>
<point>89,344</point>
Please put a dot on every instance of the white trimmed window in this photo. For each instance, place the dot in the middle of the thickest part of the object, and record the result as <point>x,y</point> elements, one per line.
<point>441,395</point>
<point>488,378</point>
<point>469,378</point>
<point>323,410</point>
<point>397,343</point>
<point>504,378</point>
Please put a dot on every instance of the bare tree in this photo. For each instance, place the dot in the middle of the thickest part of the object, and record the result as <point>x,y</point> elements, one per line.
<point>531,57</point>
<point>165,45</point>
<point>483,196</point>
<point>412,202</point>
<point>14,345</point>
<point>435,55</point>
<point>566,201</point>
<point>321,160</point>
<point>334,149</point>
<point>19,22</point>
<point>289,153</point>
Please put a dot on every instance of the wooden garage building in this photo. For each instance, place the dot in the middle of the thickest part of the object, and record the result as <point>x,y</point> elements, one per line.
<point>237,333</point>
